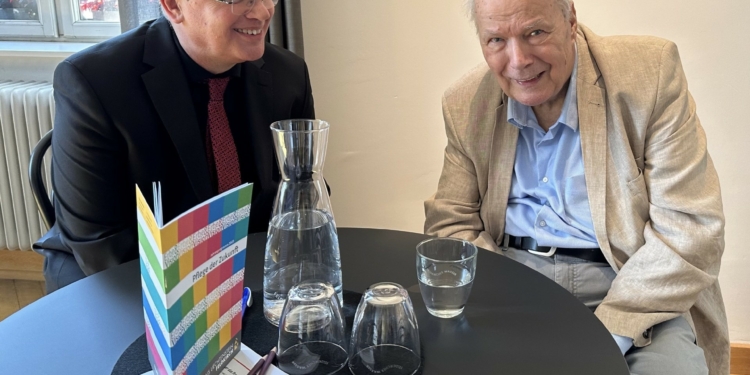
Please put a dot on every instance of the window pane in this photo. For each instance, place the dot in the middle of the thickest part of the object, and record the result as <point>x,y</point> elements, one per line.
<point>19,10</point>
<point>98,10</point>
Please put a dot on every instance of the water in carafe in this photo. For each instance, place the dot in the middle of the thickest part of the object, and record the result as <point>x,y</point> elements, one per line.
<point>302,243</point>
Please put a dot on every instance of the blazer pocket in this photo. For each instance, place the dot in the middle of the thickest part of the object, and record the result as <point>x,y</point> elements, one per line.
<point>637,186</point>
<point>639,196</point>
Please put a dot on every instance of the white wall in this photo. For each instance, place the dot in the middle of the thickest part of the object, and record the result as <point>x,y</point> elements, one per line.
<point>28,68</point>
<point>379,68</point>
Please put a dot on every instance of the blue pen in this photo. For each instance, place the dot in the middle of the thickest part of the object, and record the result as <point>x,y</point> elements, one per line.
<point>247,299</point>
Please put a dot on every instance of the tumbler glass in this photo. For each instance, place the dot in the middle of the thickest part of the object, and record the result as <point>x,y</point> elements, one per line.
<point>312,336</point>
<point>385,336</point>
<point>446,269</point>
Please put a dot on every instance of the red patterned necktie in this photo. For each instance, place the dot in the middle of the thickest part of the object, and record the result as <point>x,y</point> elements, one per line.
<point>222,143</point>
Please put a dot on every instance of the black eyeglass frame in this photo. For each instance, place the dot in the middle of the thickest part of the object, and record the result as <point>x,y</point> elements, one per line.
<point>232,2</point>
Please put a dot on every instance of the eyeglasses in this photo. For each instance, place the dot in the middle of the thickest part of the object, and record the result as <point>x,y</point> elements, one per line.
<point>239,9</point>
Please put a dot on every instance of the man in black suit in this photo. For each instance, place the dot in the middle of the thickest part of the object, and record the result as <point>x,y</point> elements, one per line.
<point>135,109</point>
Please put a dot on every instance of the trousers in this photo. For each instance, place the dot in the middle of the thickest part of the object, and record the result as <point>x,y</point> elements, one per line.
<point>673,349</point>
<point>60,270</point>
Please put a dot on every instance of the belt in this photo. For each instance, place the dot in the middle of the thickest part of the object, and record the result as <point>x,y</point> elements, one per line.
<point>529,244</point>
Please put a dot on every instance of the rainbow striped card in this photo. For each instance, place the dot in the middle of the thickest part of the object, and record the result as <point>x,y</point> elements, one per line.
<point>192,272</point>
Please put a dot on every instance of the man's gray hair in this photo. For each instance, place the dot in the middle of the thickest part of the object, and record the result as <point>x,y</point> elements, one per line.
<point>563,4</point>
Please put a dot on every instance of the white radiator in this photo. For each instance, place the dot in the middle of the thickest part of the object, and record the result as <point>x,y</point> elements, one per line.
<point>26,114</point>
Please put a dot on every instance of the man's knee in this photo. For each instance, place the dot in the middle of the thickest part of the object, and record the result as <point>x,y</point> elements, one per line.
<point>60,270</point>
<point>672,351</point>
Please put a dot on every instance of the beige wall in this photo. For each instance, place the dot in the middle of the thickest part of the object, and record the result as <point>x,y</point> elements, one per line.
<point>379,68</point>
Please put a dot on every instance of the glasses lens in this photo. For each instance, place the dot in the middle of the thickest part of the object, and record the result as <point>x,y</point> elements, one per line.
<point>240,7</point>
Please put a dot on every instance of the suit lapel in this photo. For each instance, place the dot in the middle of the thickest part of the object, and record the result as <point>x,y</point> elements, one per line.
<point>592,122</point>
<point>501,163</point>
<point>258,93</point>
<point>170,94</point>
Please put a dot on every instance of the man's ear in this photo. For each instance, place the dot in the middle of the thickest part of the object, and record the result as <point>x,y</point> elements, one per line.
<point>573,20</point>
<point>172,9</point>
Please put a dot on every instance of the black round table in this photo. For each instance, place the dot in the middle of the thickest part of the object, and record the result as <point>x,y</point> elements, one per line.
<point>516,321</point>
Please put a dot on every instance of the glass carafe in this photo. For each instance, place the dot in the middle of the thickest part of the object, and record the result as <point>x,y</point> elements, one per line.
<point>302,242</point>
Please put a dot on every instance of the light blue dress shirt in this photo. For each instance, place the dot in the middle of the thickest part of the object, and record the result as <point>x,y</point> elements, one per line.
<point>548,199</point>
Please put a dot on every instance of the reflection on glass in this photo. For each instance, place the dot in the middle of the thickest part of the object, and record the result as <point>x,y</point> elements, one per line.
<point>21,10</point>
<point>98,10</point>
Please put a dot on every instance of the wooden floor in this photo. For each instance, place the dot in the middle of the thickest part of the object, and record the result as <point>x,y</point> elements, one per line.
<point>740,363</point>
<point>21,265</point>
<point>21,280</point>
<point>15,294</point>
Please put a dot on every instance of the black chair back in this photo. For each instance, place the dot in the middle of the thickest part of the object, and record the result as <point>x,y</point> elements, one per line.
<point>42,198</point>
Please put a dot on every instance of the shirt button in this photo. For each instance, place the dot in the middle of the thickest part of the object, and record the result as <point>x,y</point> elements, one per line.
<point>545,179</point>
<point>542,223</point>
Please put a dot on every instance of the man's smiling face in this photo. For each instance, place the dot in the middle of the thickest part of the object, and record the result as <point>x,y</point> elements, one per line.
<point>530,47</point>
<point>217,38</point>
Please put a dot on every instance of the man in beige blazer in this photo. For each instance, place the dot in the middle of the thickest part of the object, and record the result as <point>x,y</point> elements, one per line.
<point>651,188</point>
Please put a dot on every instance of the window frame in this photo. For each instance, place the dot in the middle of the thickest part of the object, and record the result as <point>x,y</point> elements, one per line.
<point>45,26</point>
<point>58,20</point>
<point>73,27</point>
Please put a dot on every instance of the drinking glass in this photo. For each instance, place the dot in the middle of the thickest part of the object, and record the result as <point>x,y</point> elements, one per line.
<point>446,269</point>
<point>312,337</point>
<point>385,336</point>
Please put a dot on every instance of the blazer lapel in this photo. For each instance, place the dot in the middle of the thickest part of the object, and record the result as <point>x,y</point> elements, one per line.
<point>592,123</point>
<point>501,163</point>
<point>170,93</point>
<point>258,93</point>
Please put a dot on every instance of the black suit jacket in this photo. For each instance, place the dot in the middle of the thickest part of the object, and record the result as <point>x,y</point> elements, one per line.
<point>124,116</point>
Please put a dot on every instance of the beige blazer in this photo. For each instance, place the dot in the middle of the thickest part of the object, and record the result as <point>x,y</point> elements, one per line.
<point>652,187</point>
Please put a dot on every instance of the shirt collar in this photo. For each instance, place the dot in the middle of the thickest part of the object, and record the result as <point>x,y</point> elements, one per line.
<point>522,115</point>
<point>196,73</point>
